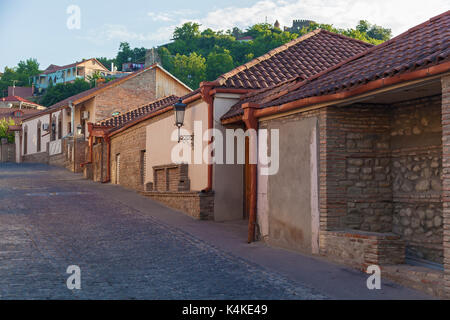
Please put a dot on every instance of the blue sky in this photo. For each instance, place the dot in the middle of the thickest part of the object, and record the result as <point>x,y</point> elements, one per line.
<point>38,29</point>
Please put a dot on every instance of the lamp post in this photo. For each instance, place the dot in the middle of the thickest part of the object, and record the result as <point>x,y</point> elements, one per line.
<point>180,109</point>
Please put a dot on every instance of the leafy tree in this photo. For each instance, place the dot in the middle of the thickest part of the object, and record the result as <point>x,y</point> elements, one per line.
<point>190,69</point>
<point>126,54</point>
<point>61,91</point>
<point>4,124</point>
<point>19,75</point>
<point>217,64</point>
<point>187,31</point>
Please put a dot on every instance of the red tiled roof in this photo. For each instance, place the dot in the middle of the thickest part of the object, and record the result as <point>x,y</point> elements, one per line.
<point>421,47</point>
<point>116,122</point>
<point>418,48</point>
<point>18,99</point>
<point>6,113</point>
<point>304,56</point>
<point>53,68</point>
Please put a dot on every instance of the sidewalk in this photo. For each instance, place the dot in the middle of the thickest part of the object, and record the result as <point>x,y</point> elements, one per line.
<point>333,280</point>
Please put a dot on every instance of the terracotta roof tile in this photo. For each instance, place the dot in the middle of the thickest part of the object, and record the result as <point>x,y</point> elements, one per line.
<point>304,56</point>
<point>118,121</point>
<point>420,47</point>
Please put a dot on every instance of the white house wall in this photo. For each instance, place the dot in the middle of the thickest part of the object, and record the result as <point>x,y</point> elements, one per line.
<point>228,180</point>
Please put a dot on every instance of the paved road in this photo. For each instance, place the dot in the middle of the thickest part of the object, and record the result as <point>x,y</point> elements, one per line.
<point>129,247</point>
<point>50,219</point>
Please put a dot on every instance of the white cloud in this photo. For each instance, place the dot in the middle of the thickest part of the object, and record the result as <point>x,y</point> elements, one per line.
<point>399,15</point>
<point>171,16</point>
<point>109,32</point>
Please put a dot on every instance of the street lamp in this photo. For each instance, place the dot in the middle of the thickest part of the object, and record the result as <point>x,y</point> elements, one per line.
<point>180,109</point>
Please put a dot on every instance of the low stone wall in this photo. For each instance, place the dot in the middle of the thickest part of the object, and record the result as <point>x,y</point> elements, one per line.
<point>41,157</point>
<point>58,160</point>
<point>195,204</point>
<point>360,249</point>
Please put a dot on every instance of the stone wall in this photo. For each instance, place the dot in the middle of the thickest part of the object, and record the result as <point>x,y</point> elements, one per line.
<point>416,150</point>
<point>360,249</point>
<point>41,157</point>
<point>7,152</point>
<point>195,204</point>
<point>357,153</point>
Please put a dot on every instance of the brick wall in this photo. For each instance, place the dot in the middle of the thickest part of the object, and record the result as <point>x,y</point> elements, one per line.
<point>127,95</point>
<point>195,204</point>
<point>446,177</point>
<point>99,165</point>
<point>171,177</point>
<point>129,145</point>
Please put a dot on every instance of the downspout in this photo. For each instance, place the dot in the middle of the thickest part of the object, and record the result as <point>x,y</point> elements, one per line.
<point>251,123</point>
<point>205,90</point>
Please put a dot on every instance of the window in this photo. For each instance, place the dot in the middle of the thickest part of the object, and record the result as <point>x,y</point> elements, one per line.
<point>143,167</point>
<point>69,127</point>
<point>18,113</point>
<point>38,136</point>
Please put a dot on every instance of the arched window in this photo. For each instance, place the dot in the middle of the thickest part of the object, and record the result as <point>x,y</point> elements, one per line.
<point>25,140</point>
<point>60,126</point>
<point>38,136</point>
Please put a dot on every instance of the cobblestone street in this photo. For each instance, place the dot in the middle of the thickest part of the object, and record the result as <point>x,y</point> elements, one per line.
<point>50,219</point>
<point>129,247</point>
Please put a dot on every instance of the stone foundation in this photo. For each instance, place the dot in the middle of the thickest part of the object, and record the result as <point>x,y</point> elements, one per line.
<point>359,249</point>
<point>195,204</point>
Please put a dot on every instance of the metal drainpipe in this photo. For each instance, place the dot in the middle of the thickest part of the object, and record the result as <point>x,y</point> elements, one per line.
<point>251,122</point>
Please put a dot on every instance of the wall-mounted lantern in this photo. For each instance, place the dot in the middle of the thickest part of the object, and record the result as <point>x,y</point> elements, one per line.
<point>180,109</point>
<point>79,130</point>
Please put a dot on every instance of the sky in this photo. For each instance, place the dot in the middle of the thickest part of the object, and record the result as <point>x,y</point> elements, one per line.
<point>48,31</point>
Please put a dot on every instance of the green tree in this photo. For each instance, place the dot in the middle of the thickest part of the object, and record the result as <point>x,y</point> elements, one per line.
<point>217,64</point>
<point>62,91</point>
<point>4,124</point>
<point>19,75</point>
<point>187,31</point>
<point>190,69</point>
